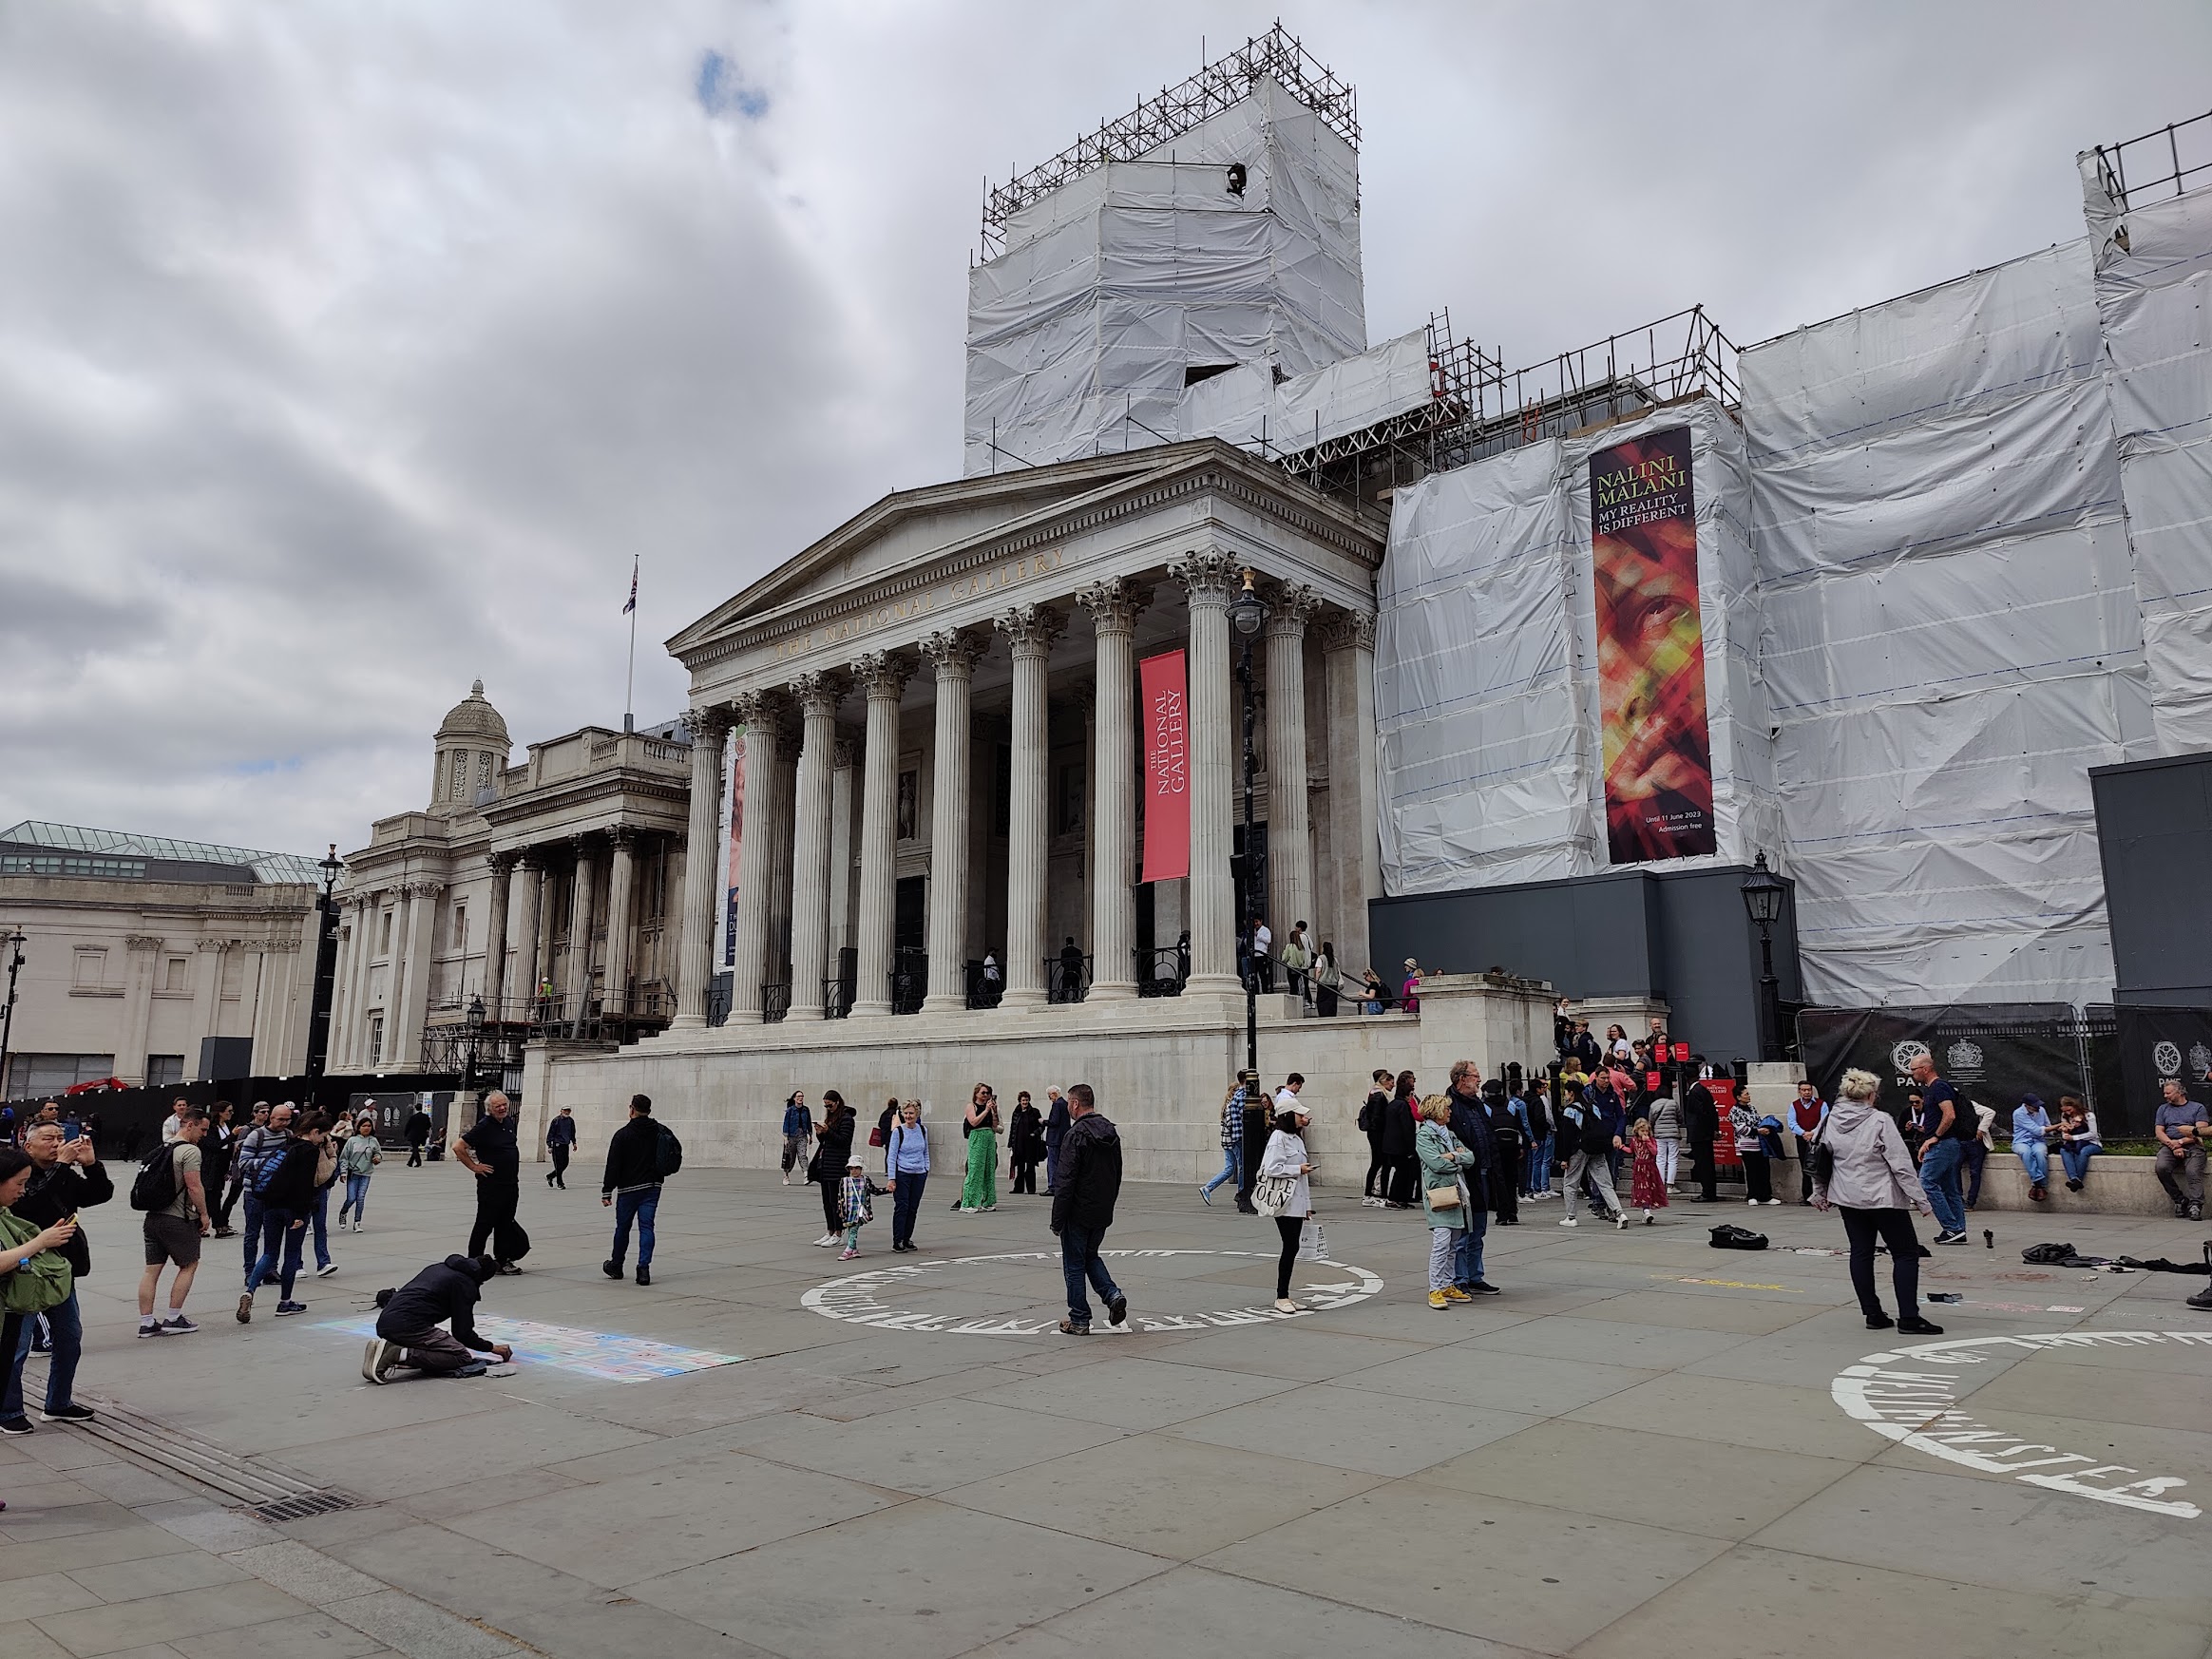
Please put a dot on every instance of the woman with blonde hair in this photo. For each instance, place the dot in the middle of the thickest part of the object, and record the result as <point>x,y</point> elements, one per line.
<point>1444,1197</point>
<point>1861,1168</point>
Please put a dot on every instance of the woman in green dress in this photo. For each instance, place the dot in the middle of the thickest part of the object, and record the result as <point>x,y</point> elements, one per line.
<point>979,1123</point>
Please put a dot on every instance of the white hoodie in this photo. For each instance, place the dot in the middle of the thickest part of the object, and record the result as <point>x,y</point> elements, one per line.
<point>1873,1169</point>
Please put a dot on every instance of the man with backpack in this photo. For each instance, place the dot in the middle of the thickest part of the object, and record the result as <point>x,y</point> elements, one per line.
<point>257,1155</point>
<point>642,1154</point>
<point>170,1193</point>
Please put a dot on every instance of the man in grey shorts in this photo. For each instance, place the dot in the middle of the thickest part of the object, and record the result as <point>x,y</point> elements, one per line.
<point>174,1232</point>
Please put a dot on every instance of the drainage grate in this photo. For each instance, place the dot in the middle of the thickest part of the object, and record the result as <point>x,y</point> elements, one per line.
<point>289,1509</point>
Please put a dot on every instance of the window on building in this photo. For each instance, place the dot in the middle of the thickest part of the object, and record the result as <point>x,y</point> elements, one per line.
<point>163,1070</point>
<point>461,930</point>
<point>35,1074</point>
<point>1067,807</point>
<point>375,1039</point>
<point>460,788</point>
<point>177,975</point>
<point>483,770</point>
<point>91,972</point>
<point>384,936</point>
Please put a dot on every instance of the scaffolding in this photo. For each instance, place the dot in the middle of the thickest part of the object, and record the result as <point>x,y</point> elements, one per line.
<point>2164,160</point>
<point>1219,86</point>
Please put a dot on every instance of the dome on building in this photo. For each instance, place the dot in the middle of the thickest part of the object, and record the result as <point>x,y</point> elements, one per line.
<point>474,718</point>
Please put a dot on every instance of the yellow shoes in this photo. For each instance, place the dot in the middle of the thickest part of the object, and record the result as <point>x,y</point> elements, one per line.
<point>1439,1301</point>
<point>1453,1293</point>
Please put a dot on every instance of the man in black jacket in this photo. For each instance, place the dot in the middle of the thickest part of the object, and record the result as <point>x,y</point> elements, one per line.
<point>1082,1209</point>
<point>1701,1122</point>
<point>66,1177</point>
<point>418,1136</point>
<point>406,1329</point>
<point>1057,1122</point>
<point>1471,1125</point>
<point>489,1152</point>
<point>632,1185</point>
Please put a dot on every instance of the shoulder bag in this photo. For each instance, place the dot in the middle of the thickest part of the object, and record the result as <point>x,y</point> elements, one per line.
<point>43,1282</point>
<point>1271,1195</point>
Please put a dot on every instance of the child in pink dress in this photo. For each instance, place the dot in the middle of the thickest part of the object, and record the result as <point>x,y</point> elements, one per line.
<point>1647,1190</point>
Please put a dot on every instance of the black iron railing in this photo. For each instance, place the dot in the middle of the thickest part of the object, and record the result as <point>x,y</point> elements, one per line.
<point>775,1001</point>
<point>1163,972</point>
<point>1067,978</point>
<point>910,980</point>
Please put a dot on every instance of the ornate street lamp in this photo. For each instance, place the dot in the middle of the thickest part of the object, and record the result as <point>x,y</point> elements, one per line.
<point>326,963</point>
<point>12,941</point>
<point>1248,613</point>
<point>1763,895</point>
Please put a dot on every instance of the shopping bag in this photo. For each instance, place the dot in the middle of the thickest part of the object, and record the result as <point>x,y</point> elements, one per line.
<point>1312,1242</point>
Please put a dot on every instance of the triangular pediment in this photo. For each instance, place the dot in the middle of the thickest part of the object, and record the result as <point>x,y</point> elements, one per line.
<point>911,526</point>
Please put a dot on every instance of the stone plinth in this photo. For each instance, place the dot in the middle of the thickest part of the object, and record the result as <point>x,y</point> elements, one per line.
<point>1160,1067</point>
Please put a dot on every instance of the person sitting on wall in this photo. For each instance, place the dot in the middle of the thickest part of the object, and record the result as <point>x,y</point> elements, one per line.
<point>2077,1139</point>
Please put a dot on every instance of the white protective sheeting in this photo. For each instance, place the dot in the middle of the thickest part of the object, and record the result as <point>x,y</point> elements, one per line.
<point>1952,635</point>
<point>1245,406</point>
<point>1111,287</point>
<point>2154,297</point>
<point>1486,696</point>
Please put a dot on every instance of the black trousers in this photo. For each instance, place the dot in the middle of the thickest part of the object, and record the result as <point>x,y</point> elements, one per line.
<point>832,1201</point>
<point>1758,1178</point>
<point>1505,1184</point>
<point>1701,1168</point>
<point>1289,1226</point>
<point>1404,1181</point>
<point>1324,1000</point>
<point>559,1175</point>
<point>1255,1147</point>
<point>1894,1229</point>
<point>415,1154</point>
<point>496,1199</point>
<point>1377,1169</point>
<point>1025,1178</point>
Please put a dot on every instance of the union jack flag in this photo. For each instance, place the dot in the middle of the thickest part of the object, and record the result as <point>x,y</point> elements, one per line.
<point>633,604</point>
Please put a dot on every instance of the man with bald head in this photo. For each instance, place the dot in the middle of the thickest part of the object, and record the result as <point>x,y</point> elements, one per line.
<point>66,1177</point>
<point>489,1152</point>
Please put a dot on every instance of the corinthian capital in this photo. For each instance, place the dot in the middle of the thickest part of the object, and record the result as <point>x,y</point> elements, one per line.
<point>707,725</point>
<point>883,674</point>
<point>1114,604</point>
<point>1288,607</point>
<point>1341,630</point>
<point>1031,629</point>
<point>1209,577</point>
<point>818,691</point>
<point>953,652</point>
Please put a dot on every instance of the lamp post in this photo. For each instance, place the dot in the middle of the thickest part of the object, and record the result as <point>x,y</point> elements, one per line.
<point>12,941</point>
<point>1763,893</point>
<point>326,964</point>
<point>1246,613</point>
<point>475,1035</point>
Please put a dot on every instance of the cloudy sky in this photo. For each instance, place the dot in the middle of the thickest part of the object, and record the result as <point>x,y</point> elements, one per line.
<point>349,353</point>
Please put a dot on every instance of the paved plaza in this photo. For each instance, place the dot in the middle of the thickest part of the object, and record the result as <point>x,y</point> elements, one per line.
<point>1646,1447</point>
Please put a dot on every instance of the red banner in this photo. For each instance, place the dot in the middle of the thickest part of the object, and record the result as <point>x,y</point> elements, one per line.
<point>1723,1090</point>
<point>1651,649</point>
<point>1166,768</point>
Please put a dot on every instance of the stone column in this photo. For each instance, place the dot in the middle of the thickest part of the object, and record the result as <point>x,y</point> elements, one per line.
<point>494,988</point>
<point>621,877</point>
<point>953,654</point>
<point>843,853</point>
<point>530,886</point>
<point>818,695</point>
<point>702,893</point>
<point>576,994</point>
<point>1112,818</point>
<point>779,790</point>
<point>146,954</point>
<point>1348,644</point>
<point>206,992</point>
<point>403,1024</point>
<point>341,992</point>
<point>367,911</point>
<point>1031,630</point>
<point>1210,580</point>
<point>749,943</point>
<point>882,675</point>
<point>1290,836</point>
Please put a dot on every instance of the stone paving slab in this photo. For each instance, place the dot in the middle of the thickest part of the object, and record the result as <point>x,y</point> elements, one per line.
<point>1637,1450</point>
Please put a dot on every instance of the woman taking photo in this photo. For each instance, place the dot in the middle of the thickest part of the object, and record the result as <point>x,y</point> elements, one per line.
<point>1861,1168</point>
<point>979,1123</point>
<point>832,1145</point>
<point>1442,1160</point>
<point>1286,1156</point>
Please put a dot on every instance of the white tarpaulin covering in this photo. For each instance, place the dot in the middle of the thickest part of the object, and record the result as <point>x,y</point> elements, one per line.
<point>1114,285</point>
<point>1486,696</point>
<point>1246,407</point>
<point>1952,635</point>
<point>2154,297</point>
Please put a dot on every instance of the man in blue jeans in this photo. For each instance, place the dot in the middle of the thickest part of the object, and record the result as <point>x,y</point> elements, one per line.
<point>66,1177</point>
<point>1082,1209</point>
<point>1947,1123</point>
<point>632,1185</point>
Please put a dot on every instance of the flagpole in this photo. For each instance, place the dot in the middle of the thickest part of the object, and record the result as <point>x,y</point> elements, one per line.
<point>630,679</point>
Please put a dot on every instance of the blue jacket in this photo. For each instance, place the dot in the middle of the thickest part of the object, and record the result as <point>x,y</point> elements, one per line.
<point>796,1119</point>
<point>1055,1124</point>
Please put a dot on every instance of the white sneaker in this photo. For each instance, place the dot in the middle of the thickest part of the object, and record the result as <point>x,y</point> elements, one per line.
<point>827,1238</point>
<point>1570,1221</point>
<point>1621,1222</point>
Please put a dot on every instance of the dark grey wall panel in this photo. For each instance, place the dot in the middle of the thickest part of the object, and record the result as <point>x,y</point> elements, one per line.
<point>2154,833</point>
<point>1679,935</point>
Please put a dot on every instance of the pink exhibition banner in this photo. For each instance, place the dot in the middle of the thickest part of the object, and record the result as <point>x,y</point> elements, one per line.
<point>1166,768</point>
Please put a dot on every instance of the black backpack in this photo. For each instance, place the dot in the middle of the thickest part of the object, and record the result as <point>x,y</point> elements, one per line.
<point>1729,1238</point>
<point>156,1187</point>
<point>667,1153</point>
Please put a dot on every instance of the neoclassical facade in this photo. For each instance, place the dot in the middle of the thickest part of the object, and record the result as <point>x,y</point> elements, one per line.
<point>538,894</point>
<point>978,640</point>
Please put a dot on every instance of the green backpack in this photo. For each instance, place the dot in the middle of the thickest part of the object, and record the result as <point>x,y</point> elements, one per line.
<point>44,1282</point>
